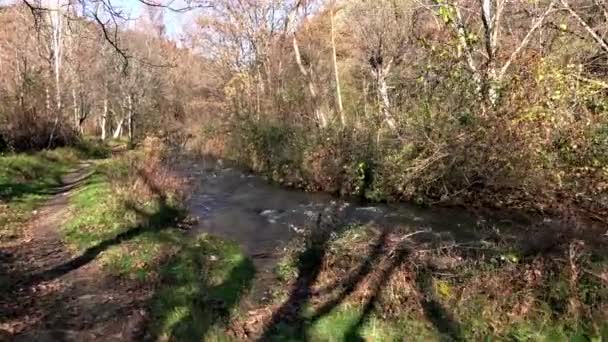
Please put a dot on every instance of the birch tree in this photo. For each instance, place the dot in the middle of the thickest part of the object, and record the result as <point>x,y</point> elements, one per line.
<point>490,70</point>
<point>335,66</point>
<point>383,38</point>
<point>55,19</point>
<point>307,73</point>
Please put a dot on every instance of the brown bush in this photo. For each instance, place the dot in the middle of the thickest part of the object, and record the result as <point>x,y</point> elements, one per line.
<point>28,130</point>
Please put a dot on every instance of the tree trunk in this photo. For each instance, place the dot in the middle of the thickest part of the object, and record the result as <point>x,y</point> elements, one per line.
<point>47,100</point>
<point>381,73</point>
<point>104,117</point>
<point>75,104</point>
<point>336,74</point>
<point>319,115</point>
<point>56,21</point>
<point>118,130</point>
<point>130,122</point>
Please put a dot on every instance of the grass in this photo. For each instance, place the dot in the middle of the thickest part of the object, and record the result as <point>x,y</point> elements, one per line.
<point>198,280</point>
<point>347,323</point>
<point>142,233</point>
<point>202,286</point>
<point>26,181</point>
<point>365,288</point>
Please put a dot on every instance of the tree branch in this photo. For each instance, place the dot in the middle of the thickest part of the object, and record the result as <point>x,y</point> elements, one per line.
<point>539,21</point>
<point>602,43</point>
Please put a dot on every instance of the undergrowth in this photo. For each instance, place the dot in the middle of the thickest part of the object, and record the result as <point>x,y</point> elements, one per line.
<point>375,285</point>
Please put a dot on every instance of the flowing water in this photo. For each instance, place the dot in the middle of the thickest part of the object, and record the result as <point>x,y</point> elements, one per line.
<point>263,217</point>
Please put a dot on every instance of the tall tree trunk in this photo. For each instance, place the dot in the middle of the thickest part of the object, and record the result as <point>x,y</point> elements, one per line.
<point>312,89</point>
<point>118,131</point>
<point>104,116</point>
<point>130,122</point>
<point>381,74</point>
<point>56,21</point>
<point>75,104</point>
<point>336,73</point>
<point>259,89</point>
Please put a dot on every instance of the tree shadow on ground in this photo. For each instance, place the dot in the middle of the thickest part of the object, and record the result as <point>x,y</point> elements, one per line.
<point>164,217</point>
<point>434,311</point>
<point>400,254</point>
<point>59,305</point>
<point>309,265</point>
<point>383,260</point>
<point>200,288</point>
<point>349,285</point>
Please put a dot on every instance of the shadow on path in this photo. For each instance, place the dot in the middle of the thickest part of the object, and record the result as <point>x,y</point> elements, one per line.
<point>159,220</point>
<point>309,267</point>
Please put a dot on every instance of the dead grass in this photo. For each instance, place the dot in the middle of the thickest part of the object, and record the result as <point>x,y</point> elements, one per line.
<point>468,292</point>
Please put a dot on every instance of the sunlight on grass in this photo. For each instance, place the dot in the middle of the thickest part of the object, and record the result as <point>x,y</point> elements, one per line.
<point>26,181</point>
<point>99,214</point>
<point>200,280</point>
<point>203,286</point>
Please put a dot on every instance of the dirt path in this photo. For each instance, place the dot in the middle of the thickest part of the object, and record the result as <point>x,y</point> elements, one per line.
<point>54,295</point>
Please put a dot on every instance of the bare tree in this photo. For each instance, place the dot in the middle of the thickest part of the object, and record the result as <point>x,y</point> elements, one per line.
<point>487,72</point>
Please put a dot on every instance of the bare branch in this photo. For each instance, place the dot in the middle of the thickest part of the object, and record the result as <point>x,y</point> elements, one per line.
<point>537,23</point>
<point>602,43</point>
<point>113,41</point>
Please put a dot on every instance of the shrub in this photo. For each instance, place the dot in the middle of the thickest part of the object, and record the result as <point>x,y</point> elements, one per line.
<point>28,130</point>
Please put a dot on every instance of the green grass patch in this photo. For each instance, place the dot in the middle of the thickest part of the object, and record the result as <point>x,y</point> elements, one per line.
<point>202,287</point>
<point>199,280</point>
<point>132,236</point>
<point>97,214</point>
<point>348,323</point>
<point>26,181</point>
<point>92,148</point>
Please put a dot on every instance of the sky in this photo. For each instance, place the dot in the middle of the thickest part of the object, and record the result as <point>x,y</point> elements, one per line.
<point>174,22</point>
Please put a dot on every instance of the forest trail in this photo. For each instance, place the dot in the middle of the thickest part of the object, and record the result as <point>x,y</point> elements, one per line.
<point>54,295</point>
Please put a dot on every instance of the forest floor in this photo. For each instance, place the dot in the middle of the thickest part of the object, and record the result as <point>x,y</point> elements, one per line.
<point>50,294</point>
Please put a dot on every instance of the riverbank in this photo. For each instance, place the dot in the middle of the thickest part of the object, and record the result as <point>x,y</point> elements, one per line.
<point>475,172</point>
<point>254,261</point>
<point>341,269</point>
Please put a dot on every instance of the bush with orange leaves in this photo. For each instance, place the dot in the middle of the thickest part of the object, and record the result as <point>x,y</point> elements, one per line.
<point>145,175</point>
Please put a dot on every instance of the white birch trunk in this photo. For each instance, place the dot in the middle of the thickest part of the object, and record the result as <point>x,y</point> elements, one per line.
<point>381,74</point>
<point>312,89</point>
<point>118,131</point>
<point>130,118</point>
<point>336,73</point>
<point>104,116</point>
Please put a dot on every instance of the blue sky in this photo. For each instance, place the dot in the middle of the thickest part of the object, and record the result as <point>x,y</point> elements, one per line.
<point>174,22</point>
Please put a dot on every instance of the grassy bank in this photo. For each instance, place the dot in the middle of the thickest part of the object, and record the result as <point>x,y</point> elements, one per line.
<point>361,283</point>
<point>129,215</point>
<point>28,179</point>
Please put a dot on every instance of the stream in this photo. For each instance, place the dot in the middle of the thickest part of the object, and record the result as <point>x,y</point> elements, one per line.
<point>263,217</point>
